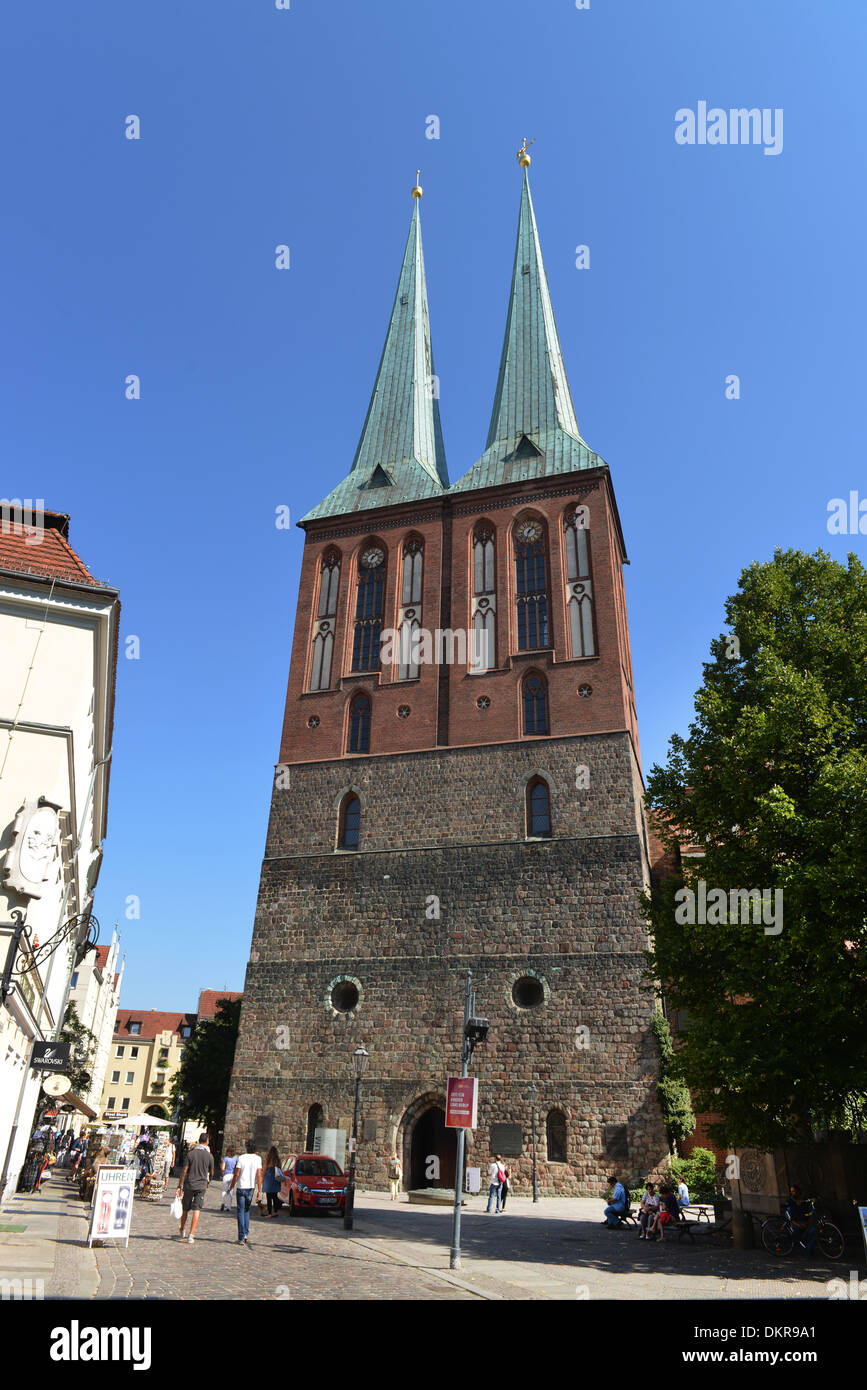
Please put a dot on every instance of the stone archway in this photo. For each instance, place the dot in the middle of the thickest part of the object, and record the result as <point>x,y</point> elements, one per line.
<point>428,1150</point>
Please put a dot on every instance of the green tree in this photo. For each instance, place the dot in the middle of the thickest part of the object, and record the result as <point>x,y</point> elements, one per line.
<point>81,1050</point>
<point>200,1087</point>
<point>772,781</point>
<point>672,1090</point>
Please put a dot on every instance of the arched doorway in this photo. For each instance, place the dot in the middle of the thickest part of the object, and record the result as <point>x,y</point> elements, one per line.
<point>433,1150</point>
<point>159,1112</point>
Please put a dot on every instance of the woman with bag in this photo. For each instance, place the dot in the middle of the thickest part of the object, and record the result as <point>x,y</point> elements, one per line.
<point>504,1186</point>
<point>272,1181</point>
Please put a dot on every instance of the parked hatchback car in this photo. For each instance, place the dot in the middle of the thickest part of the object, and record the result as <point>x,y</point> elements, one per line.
<point>313,1182</point>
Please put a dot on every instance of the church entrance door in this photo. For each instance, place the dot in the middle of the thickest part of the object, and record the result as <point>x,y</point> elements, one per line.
<point>434,1151</point>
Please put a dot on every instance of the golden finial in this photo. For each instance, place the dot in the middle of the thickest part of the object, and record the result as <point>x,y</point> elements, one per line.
<point>523,157</point>
<point>418,190</point>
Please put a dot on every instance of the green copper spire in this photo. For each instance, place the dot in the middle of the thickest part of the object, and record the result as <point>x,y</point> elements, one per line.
<point>533,429</point>
<point>400,456</point>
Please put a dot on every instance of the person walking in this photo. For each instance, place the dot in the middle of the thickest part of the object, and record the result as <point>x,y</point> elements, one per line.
<point>227,1168</point>
<point>193,1184</point>
<point>272,1181</point>
<point>247,1175</point>
<point>618,1206</point>
<point>395,1173</point>
<point>494,1181</point>
<point>168,1162</point>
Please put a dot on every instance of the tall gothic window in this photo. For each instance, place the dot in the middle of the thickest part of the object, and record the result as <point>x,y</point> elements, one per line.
<point>326,610</point>
<point>579,587</point>
<point>531,585</point>
<point>538,807</point>
<point>484,655</point>
<point>555,1133</point>
<point>369,609</point>
<point>409,618</point>
<point>359,724</point>
<point>534,693</point>
<point>350,822</point>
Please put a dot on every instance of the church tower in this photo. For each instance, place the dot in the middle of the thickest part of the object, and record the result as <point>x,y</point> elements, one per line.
<point>459,788</point>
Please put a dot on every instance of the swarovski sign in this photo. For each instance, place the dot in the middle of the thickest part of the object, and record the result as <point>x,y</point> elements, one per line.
<point>50,1056</point>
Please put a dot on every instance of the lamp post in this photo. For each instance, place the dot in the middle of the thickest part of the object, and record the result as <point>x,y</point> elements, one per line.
<point>360,1058</point>
<point>534,1094</point>
<point>475,1031</point>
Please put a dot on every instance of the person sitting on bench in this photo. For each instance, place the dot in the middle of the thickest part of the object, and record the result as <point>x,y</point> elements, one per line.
<point>619,1205</point>
<point>668,1211</point>
<point>648,1210</point>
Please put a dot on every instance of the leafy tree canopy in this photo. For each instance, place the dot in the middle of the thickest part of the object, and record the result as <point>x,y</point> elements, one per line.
<point>200,1087</point>
<point>772,781</point>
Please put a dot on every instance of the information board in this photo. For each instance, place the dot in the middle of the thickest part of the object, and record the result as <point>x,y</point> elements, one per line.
<point>462,1102</point>
<point>112,1205</point>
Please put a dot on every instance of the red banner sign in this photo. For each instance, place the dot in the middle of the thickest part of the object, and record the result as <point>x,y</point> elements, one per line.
<point>462,1102</point>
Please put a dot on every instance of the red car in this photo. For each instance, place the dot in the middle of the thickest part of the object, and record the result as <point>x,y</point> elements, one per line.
<point>314,1182</point>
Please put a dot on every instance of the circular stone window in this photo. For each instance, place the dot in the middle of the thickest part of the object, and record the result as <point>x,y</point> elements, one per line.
<point>403,711</point>
<point>313,721</point>
<point>528,992</point>
<point>484,702</point>
<point>344,996</point>
<point>585,691</point>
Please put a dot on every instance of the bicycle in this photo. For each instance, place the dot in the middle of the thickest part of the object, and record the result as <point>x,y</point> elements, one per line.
<point>779,1235</point>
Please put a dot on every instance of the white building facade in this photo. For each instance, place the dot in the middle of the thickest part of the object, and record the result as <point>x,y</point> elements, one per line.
<point>58,660</point>
<point>95,992</point>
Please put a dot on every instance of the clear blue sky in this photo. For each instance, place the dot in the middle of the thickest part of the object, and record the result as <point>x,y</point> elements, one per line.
<point>305,127</point>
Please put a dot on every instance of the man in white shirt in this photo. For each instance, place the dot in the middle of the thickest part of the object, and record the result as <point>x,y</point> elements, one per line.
<point>495,1183</point>
<point>247,1175</point>
<point>683,1195</point>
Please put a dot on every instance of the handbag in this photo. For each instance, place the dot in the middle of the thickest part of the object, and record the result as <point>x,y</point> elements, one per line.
<point>177,1208</point>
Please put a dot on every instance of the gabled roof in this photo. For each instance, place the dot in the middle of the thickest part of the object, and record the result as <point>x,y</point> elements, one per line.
<point>153,1021</point>
<point>36,544</point>
<point>400,455</point>
<point>534,431</point>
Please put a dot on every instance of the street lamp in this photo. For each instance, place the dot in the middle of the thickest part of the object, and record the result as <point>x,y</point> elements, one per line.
<point>534,1095</point>
<point>360,1058</point>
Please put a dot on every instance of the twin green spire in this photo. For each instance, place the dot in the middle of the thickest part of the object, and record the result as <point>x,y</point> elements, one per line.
<point>533,431</point>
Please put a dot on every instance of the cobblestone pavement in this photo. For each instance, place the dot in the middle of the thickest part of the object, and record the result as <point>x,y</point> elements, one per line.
<point>555,1250</point>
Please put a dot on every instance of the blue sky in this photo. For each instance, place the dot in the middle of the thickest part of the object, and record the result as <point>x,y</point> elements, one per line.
<point>305,126</point>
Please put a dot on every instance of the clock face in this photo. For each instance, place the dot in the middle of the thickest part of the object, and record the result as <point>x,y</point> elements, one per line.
<point>372,559</point>
<point>529,531</point>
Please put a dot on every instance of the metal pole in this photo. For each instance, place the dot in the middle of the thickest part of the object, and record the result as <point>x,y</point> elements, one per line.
<point>535,1172</point>
<point>455,1255</point>
<point>349,1203</point>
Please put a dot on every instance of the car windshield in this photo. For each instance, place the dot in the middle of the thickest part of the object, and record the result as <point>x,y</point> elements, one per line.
<point>317,1168</point>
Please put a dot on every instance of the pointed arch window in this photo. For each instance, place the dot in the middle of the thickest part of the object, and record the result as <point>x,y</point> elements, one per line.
<point>350,822</point>
<point>534,693</point>
<point>359,724</point>
<point>579,585</point>
<point>484,655</point>
<point>409,618</point>
<point>555,1134</point>
<point>369,609</point>
<point>531,584</point>
<point>326,610</point>
<point>538,807</point>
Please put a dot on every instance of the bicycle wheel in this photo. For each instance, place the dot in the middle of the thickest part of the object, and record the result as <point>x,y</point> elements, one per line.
<point>776,1236</point>
<point>830,1240</point>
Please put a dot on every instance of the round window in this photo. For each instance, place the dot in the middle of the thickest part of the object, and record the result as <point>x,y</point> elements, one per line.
<point>528,992</point>
<point>344,996</point>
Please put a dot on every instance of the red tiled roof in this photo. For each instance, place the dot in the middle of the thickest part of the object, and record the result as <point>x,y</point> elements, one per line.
<point>152,1021</point>
<point>209,998</point>
<point>102,956</point>
<point>38,546</point>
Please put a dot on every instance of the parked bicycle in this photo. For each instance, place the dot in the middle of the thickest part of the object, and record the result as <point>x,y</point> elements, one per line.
<point>779,1234</point>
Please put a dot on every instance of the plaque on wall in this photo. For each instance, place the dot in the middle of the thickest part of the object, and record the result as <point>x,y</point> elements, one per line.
<point>263,1131</point>
<point>369,1132</point>
<point>507,1140</point>
<point>616,1141</point>
<point>30,859</point>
